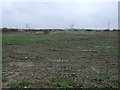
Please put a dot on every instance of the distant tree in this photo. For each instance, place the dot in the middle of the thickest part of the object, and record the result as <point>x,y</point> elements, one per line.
<point>4,29</point>
<point>88,30</point>
<point>9,29</point>
<point>107,30</point>
<point>71,26</point>
<point>27,26</point>
<point>116,29</point>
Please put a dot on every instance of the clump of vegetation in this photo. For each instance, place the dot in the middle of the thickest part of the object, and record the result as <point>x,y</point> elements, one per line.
<point>4,79</point>
<point>23,83</point>
<point>46,31</point>
<point>63,84</point>
<point>12,85</point>
<point>20,84</point>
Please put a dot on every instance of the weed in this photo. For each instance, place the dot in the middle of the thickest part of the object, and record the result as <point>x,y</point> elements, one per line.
<point>59,70</point>
<point>100,76</point>
<point>20,84</point>
<point>12,85</point>
<point>44,61</point>
<point>4,79</point>
<point>114,86</point>
<point>63,84</point>
<point>34,58</point>
<point>23,83</point>
<point>74,74</point>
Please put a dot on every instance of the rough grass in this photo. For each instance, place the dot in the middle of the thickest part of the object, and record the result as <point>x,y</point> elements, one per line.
<point>61,59</point>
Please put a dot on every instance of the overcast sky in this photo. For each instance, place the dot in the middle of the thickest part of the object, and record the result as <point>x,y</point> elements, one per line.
<point>60,14</point>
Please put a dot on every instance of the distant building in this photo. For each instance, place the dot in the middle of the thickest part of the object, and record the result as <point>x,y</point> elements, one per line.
<point>119,15</point>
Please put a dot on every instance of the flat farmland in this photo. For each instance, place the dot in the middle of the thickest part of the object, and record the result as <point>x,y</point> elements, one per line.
<point>66,59</point>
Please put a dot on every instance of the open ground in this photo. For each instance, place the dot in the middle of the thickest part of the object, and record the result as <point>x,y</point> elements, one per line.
<point>66,59</point>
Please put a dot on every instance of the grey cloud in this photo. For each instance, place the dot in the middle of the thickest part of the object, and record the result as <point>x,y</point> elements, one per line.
<point>60,15</point>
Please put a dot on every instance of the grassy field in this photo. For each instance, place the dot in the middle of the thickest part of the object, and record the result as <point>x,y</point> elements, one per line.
<point>60,60</point>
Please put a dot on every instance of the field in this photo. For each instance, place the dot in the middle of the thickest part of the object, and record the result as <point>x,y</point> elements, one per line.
<point>69,59</point>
